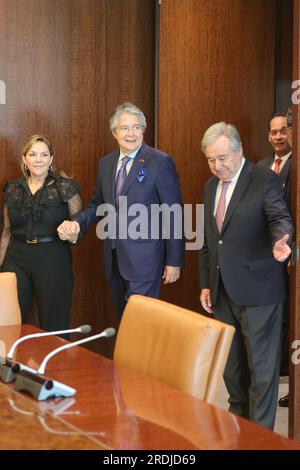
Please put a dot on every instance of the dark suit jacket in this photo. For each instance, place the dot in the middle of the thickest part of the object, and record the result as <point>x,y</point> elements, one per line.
<point>141,259</point>
<point>256,217</point>
<point>284,176</point>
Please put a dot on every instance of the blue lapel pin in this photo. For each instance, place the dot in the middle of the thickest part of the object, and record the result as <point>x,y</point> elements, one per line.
<point>142,172</point>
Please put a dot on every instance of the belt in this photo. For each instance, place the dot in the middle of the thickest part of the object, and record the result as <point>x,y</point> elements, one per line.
<point>38,239</point>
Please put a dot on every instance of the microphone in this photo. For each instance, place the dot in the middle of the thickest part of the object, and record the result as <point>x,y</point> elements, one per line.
<point>42,387</point>
<point>106,333</point>
<point>6,370</point>
<point>80,329</point>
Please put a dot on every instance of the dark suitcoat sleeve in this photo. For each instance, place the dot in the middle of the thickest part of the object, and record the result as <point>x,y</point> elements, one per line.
<point>88,216</point>
<point>169,193</point>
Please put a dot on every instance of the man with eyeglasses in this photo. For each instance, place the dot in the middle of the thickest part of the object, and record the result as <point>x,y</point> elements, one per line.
<point>280,162</point>
<point>280,138</point>
<point>139,176</point>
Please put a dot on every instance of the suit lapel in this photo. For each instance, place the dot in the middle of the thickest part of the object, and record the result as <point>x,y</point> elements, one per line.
<point>241,186</point>
<point>141,159</point>
<point>112,170</point>
<point>285,171</point>
<point>212,189</point>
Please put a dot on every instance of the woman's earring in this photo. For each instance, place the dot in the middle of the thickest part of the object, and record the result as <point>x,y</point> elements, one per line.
<point>25,167</point>
<point>51,167</point>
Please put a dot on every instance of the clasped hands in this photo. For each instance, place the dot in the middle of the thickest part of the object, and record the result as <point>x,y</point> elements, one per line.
<point>68,230</point>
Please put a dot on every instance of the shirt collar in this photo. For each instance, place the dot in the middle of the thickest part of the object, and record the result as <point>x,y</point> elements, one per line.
<point>236,176</point>
<point>131,155</point>
<point>285,157</point>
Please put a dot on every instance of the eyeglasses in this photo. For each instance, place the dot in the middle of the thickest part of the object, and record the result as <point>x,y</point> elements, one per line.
<point>282,131</point>
<point>134,128</point>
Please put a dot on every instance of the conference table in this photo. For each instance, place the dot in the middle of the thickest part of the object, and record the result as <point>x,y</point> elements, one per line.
<point>114,408</point>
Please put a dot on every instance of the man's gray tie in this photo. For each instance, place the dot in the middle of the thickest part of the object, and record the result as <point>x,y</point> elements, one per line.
<point>221,209</point>
<point>121,177</point>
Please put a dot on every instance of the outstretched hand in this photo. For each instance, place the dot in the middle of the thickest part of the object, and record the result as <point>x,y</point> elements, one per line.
<point>68,230</point>
<point>281,250</point>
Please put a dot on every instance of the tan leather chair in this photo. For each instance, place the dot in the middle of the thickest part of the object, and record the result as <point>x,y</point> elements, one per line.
<point>9,305</point>
<point>179,347</point>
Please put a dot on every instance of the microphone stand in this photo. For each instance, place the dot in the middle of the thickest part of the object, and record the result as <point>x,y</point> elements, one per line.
<point>9,368</point>
<point>42,387</point>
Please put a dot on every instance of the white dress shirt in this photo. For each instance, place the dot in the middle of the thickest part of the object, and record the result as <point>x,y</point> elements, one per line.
<point>230,189</point>
<point>129,163</point>
<point>283,161</point>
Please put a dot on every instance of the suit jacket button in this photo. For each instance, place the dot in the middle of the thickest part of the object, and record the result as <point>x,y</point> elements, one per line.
<point>220,242</point>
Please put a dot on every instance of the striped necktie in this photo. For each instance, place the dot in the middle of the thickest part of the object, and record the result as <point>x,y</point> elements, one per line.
<point>121,177</point>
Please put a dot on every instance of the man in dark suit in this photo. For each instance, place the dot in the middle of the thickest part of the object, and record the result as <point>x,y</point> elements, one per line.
<point>135,180</point>
<point>281,159</point>
<point>242,270</point>
<point>280,138</point>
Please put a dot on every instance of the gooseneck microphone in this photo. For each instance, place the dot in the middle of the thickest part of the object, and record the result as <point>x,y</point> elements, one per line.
<point>9,369</point>
<point>42,387</point>
<point>81,329</point>
<point>106,334</point>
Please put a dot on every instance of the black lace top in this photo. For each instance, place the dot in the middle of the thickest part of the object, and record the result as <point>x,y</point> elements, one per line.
<point>29,215</point>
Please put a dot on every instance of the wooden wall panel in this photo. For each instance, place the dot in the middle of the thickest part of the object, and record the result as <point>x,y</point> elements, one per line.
<point>67,64</point>
<point>216,62</point>
<point>284,59</point>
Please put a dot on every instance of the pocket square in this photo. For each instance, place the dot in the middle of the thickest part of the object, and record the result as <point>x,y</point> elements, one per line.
<point>142,173</point>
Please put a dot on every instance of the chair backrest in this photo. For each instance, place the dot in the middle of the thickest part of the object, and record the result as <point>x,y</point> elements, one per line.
<point>9,305</point>
<point>179,347</point>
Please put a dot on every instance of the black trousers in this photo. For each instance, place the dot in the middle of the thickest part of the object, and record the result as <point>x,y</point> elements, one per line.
<point>252,371</point>
<point>285,353</point>
<point>45,271</point>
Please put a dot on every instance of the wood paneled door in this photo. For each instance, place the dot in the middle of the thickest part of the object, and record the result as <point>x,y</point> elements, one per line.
<point>66,65</point>
<point>216,63</point>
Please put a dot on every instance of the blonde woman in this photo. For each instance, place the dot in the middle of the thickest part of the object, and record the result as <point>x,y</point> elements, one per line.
<point>34,206</point>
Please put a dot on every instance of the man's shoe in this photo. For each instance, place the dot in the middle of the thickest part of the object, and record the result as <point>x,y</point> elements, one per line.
<point>284,401</point>
<point>284,370</point>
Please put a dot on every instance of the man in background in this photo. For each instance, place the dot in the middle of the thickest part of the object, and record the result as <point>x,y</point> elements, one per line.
<point>280,138</point>
<point>280,135</point>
